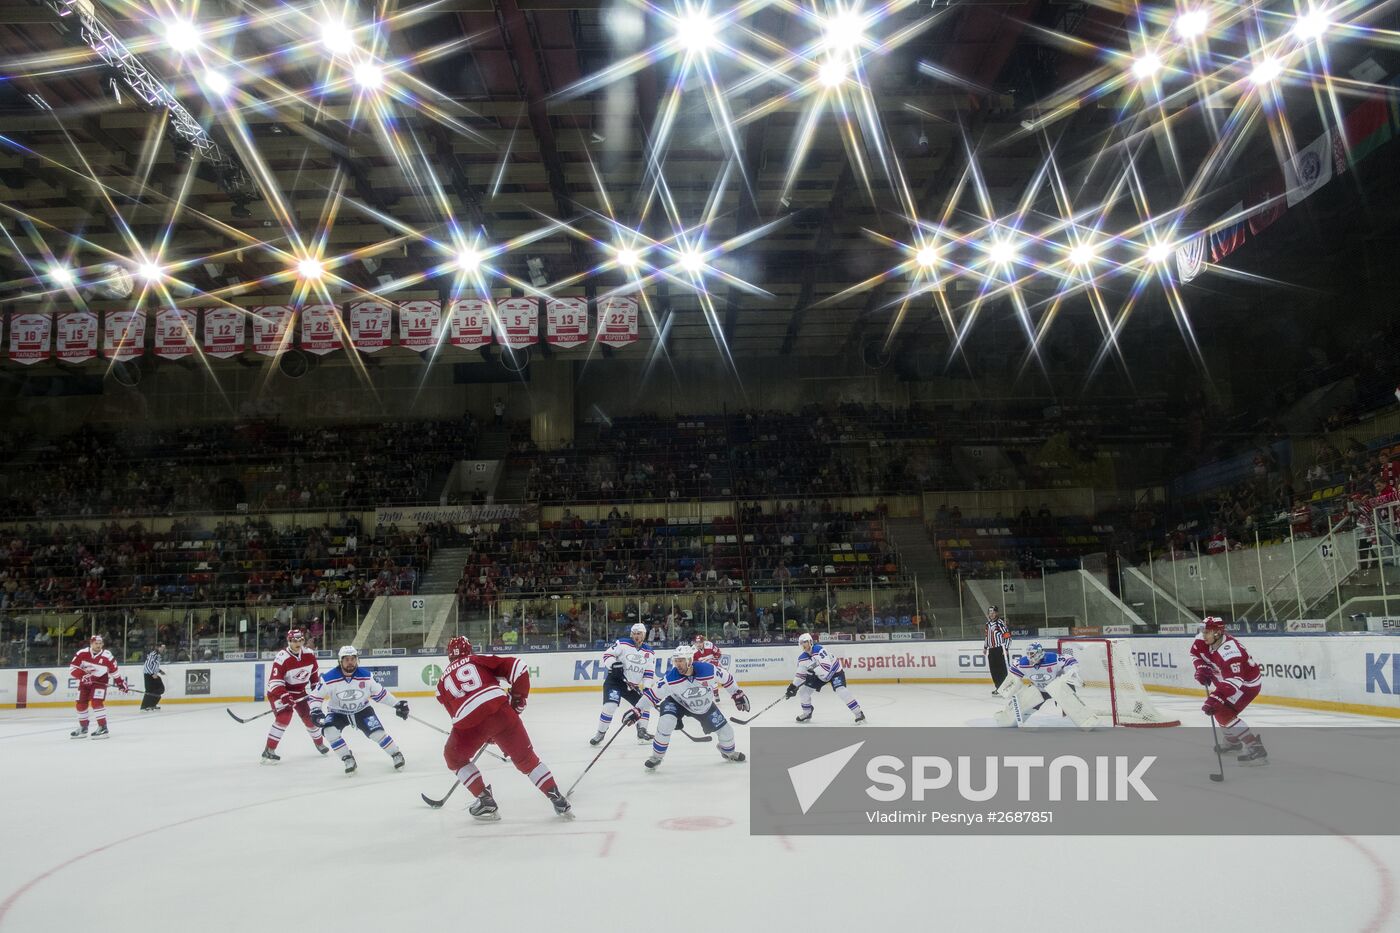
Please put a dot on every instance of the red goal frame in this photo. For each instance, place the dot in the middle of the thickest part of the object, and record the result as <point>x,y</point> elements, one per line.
<point>1112,686</point>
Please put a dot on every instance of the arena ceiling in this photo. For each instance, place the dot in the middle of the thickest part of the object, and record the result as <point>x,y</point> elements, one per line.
<point>776,177</point>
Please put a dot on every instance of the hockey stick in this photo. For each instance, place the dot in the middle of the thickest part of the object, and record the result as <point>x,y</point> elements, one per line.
<point>745,722</point>
<point>437,804</point>
<point>238,718</point>
<point>693,738</point>
<point>437,728</point>
<point>620,730</point>
<point>1217,778</point>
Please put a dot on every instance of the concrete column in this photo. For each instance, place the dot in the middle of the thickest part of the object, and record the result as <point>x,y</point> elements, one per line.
<point>551,389</point>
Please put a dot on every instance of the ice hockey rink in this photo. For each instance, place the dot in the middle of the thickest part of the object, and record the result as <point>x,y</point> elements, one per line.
<point>173,825</point>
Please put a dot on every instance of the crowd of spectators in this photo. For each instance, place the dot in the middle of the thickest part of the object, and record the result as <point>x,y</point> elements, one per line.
<point>806,543</point>
<point>257,466</point>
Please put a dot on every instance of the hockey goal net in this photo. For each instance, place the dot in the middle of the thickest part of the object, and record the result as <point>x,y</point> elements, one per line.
<point>1112,687</point>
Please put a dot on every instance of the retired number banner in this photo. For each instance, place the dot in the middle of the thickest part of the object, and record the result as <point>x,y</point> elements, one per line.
<point>30,337</point>
<point>371,325</point>
<point>77,336</point>
<point>175,333</point>
<point>320,329</point>
<point>567,322</point>
<point>520,320</point>
<point>617,320</point>
<point>271,324</point>
<point>420,324</point>
<point>124,335</point>
<point>225,332</point>
<point>469,325</point>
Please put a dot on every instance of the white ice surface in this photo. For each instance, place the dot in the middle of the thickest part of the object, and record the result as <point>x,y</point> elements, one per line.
<point>172,825</point>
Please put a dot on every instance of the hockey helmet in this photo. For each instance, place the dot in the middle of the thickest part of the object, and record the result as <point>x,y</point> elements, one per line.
<point>96,638</point>
<point>348,651</point>
<point>638,631</point>
<point>1035,652</point>
<point>296,634</point>
<point>1213,624</point>
<point>683,653</point>
<point>459,647</point>
<point>805,638</point>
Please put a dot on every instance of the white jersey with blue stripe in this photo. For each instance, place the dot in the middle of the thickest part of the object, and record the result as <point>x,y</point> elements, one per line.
<point>638,661</point>
<point>339,692</point>
<point>1052,665</point>
<point>816,660</point>
<point>695,693</point>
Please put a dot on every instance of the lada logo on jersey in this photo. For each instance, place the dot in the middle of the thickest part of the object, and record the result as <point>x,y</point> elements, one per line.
<point>695,692</point>
<point>432,674</point>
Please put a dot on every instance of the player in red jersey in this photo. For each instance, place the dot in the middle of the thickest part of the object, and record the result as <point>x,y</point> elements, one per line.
<point>482,712</point>
<point>706,651</point>
<point>1225,669</point>
<point>293,674</point>
<point>91,667</point>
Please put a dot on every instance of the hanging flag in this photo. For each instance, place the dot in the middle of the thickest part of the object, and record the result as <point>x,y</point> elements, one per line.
<point>1265,202</point>
<point>1309,169</point>
<point>617,320</point>
<point>30,337</point>
<point>175,333</point>
<point>371,325</point>
<point>469,323</point>
<point>77,336</point>
<point>1366,127</point>
<point>520,321</point>
<point>124,335</point>
<point>320,329</point>
<point>1190,258</point>
<point>420,324</point>
<point>272,326</point>
<point>1227,235</point>
<point>225,332</point>
<point>567,321</point>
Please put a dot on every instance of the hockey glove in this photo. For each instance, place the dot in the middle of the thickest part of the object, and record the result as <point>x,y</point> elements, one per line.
<point>517,703</point>
<point>324,721</point>
<point>616,667</point>
<point>122,685</point>
<point>1204,678</point>
<point>86,681</point>
<point>401,709</point>
<point>631,716</point>
<point>790,692</point>
<point>741,701</point>
<point>1212,705</point>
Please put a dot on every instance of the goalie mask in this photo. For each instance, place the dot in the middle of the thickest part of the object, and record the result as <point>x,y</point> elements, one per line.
<point>1035,653</point>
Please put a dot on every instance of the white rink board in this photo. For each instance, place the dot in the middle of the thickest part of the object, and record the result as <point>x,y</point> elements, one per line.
<point>1336,672</point>
<point>171,825</point>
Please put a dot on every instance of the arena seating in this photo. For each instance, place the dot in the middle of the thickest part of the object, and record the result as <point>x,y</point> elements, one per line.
<point>987,547</point>
<point>263,465</point>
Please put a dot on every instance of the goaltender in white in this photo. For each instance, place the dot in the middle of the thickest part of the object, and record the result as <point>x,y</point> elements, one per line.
<point>1038,676</point>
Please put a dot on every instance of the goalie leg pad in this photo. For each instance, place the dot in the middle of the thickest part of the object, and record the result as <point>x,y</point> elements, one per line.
<point>1068,701</point>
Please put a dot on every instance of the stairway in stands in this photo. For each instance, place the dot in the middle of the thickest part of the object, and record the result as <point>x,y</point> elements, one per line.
<point>444,571</point>
<point>919,557</point>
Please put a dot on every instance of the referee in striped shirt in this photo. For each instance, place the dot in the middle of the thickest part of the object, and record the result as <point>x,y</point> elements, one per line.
<point>997,647</point>
<point>155,684</point>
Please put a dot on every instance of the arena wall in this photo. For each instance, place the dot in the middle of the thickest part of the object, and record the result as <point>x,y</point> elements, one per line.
<point>1337,673</point>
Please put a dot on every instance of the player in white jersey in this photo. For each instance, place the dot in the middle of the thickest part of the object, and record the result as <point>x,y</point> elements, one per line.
<point>1038,676</point>
<point>342,699</point>
<point>631,667</point>
<point>816,667</point>
<point>687,690</point>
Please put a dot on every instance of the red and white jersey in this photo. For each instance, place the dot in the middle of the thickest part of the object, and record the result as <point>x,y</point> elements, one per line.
<point>292,675</point>
<point>99,666</point>
<point>706,651</point>
<point>1228,662</point>
<point>470,688</point>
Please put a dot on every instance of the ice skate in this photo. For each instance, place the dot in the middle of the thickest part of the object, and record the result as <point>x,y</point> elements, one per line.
<point>485,808</point>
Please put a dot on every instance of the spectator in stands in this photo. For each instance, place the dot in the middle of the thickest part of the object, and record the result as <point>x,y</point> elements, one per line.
<point>499,407</point>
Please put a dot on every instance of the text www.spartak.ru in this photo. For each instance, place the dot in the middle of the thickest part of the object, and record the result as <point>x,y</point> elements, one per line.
<point>888,661</point>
